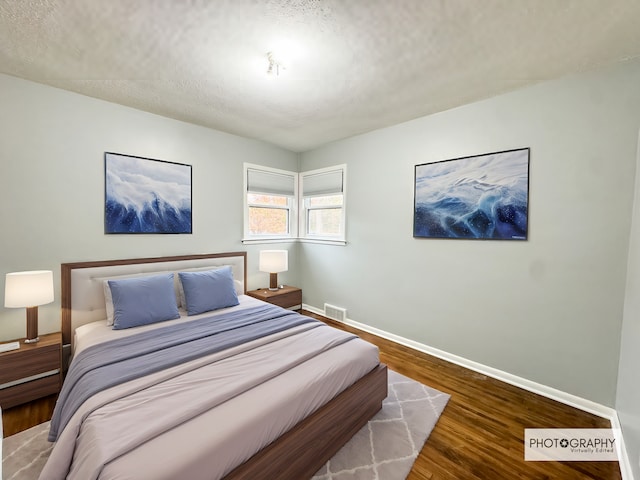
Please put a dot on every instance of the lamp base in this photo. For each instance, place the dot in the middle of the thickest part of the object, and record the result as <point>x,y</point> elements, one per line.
<point>32,325</point>
<point>273,282</point>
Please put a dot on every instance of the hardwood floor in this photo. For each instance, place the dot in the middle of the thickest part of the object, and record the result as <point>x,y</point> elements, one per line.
<point>480,434</point>
<point>478,437</point>
<point>29,415</point>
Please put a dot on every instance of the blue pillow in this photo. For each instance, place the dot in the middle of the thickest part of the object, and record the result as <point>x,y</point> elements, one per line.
<point>208,290</point>
<point>143,300</point>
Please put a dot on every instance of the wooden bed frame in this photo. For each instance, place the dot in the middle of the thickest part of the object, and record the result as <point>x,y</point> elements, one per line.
<point>300,452</point>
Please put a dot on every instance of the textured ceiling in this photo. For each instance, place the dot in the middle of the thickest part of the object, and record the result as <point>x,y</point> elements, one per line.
<point>353,65</point>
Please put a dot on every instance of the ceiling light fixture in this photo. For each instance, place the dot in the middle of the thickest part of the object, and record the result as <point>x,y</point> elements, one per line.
<point>274,65</point>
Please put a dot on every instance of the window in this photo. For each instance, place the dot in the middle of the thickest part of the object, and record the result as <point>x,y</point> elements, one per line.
<point>268,214</point>
<point>324,215</point>
<point>270,203</point>
<point>323,204</point>
<point>281,205</point>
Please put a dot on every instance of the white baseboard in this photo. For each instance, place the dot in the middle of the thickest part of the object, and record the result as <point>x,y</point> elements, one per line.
<point>534,387</point>
<point>623,458</point>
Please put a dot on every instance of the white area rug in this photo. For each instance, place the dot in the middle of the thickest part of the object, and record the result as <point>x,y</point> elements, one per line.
<point>384,449</point>
<point>24,454</point>
<point>387,446</point>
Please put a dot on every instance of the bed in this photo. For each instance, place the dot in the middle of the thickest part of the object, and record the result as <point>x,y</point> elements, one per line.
<point>248,391</point>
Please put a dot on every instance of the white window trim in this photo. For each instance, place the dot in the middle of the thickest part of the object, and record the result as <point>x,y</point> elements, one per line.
<point>297,211</point>
<point>249,239</point>
<point>303,222</point>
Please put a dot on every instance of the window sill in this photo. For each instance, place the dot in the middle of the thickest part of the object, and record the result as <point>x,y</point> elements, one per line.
<point>258,241</point>
<point>323,241</point>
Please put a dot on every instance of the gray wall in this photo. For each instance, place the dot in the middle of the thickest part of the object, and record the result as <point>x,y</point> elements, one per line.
<point>548,309</point>
<point>628,395</point>
<point>52,144</point>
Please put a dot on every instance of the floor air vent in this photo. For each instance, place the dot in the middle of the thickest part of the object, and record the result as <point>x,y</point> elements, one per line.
<point>336,313</point>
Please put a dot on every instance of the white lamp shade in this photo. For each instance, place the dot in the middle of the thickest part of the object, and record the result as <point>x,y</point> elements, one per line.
<point>28,289</point>
<point>274,261</point>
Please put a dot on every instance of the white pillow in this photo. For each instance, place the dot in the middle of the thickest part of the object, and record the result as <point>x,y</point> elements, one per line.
<point>108,302</point>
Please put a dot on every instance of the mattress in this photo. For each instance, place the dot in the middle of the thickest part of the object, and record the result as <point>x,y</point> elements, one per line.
<point>267,386</point>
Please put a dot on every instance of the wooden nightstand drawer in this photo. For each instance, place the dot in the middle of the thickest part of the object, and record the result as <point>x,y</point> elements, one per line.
<point>25,392</point>
<point>27,362</point>
<point>285,297</point>
<point>287,300</point>
<point>32,371</point>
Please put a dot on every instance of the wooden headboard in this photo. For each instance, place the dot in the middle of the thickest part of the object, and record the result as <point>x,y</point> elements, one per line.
<point>83,283</point>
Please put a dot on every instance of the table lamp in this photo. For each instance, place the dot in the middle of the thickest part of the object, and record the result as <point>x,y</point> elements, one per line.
<point>273,262</point>
<point>29,289</point>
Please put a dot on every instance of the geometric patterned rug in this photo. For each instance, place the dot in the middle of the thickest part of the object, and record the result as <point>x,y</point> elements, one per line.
<point>24,454</point>
<point>384,449</point>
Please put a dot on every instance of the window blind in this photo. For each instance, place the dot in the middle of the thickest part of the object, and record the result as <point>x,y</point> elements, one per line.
<point>261,181</point>
<point>326,183</point>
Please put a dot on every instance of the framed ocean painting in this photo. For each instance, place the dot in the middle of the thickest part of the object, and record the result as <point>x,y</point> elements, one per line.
<point>143,195</point>
<point>479,197</point>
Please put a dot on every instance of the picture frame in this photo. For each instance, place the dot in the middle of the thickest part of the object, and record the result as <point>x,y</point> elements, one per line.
<point>484,197</point>
<point>146,196</point>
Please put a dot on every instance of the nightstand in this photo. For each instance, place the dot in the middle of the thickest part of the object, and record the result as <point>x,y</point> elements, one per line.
<point>32,371</point>
<point>286,297</point>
